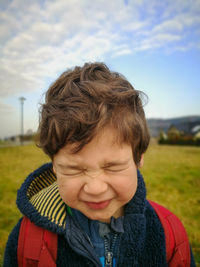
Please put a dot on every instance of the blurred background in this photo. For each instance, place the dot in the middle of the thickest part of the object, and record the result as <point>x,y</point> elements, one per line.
<point>154,44</point>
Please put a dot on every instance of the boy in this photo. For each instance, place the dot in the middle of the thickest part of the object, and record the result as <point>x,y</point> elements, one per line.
<point>92,196</point>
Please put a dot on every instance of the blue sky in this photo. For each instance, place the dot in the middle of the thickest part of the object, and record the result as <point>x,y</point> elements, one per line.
<point>155,44</point>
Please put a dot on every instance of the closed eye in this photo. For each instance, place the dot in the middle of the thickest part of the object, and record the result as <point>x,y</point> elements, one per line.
<point>114,170</point>
<point>73,173</point>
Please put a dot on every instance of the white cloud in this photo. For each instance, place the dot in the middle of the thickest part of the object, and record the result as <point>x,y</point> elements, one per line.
<point>122,52</point>
<point>157,41</point>
<point>40,39</point>
<point>169,26</point>
<point>5,108</point>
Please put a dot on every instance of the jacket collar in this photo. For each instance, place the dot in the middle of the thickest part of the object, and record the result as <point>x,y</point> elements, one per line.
<point>39,199</point>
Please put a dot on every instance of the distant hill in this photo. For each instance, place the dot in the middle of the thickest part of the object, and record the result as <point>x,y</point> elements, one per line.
<point>185,124</point>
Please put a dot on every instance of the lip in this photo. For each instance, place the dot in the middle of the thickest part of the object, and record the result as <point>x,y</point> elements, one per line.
<point>98,205</point>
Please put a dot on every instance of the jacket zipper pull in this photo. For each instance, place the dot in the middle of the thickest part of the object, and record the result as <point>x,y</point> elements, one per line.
<point>109,257</point>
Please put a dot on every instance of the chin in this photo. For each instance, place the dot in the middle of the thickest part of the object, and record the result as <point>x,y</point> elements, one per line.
<point>99,218</point>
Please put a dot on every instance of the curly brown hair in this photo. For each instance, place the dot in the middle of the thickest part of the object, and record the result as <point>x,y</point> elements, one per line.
<point>84,100</point>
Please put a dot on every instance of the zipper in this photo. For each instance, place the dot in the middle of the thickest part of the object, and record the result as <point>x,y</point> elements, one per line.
<point>109,259</point>
<point>109,251</point>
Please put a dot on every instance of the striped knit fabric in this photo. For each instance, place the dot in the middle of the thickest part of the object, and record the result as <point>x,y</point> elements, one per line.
<point>43,194</point>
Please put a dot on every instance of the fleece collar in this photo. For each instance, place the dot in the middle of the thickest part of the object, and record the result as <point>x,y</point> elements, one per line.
<point>39,200</point>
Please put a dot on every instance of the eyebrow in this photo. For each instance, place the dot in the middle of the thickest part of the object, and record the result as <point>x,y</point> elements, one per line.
<point>69,166</point>
<point>105,165</point>
<point>115,163</point>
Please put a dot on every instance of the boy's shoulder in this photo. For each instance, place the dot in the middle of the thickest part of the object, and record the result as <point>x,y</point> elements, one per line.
<point>176,240</point>
<point>173,228</point>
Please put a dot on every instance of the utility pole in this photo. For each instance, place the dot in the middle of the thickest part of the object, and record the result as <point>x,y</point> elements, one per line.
<point>22,99</point>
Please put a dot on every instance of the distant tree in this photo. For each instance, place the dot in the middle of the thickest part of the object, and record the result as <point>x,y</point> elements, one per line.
<point>176,137</point>
<point>173,132</point>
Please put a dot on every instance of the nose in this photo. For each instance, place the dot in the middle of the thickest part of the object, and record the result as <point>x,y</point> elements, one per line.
<point>95,186</point>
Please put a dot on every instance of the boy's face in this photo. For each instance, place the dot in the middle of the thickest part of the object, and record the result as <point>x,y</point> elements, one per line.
<point>98,180</point>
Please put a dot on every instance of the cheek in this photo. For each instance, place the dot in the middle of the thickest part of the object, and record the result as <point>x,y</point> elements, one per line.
<point>68,190</point>
<point>126,186</point>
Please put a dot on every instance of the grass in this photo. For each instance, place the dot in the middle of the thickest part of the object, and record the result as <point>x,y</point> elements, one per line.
<point>15,164</point>
<point>172,176</point>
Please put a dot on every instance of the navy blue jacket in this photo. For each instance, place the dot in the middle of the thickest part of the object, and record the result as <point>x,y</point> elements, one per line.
<point>141,244</point>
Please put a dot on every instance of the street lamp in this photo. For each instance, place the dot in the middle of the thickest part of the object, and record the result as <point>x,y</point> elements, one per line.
<point>22,99</point>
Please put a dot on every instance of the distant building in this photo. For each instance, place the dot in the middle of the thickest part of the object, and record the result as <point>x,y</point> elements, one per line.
<point>173,132</point>
<point>176,136</point>
<point>197,135</point>
<point>196,129</point>
<point>188,125</point>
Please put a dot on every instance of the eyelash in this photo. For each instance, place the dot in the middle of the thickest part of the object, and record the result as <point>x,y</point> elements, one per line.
<point>110,170</point>
<point>85,172</point>
<point>74,174</point>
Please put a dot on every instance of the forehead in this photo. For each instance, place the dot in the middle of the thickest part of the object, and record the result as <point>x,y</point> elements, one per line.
<point>107,137</point>
<point>105,146</point>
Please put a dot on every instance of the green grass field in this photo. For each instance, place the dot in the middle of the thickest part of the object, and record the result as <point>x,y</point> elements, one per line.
<point>172,176</point>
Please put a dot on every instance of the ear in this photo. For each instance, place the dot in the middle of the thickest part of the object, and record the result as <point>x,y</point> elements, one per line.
<point>141,163</point>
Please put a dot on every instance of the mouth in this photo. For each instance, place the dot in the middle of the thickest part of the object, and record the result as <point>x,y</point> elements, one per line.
<point>98,205</point>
